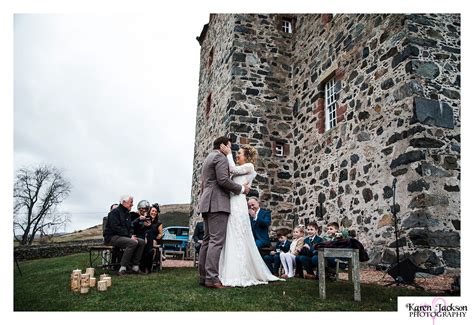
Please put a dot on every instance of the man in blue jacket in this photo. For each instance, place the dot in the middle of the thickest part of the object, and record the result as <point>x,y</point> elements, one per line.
<point>260,220</point>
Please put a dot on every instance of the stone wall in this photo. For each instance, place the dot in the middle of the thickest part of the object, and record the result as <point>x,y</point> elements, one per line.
<point>398,116</point>
<point>54,250</point>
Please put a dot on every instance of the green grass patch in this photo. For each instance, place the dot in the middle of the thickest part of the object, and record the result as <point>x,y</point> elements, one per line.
<point>44,286</point>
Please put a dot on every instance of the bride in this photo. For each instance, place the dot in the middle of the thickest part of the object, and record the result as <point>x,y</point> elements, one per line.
<point>240,263</point>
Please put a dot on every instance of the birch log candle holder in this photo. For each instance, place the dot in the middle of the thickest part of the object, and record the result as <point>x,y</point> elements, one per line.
<point>76,280</point>
<point>102,276</point>
<point>85,283</point>
<point>102,285</point>
<point>91,271</point>
<point>108,280</point>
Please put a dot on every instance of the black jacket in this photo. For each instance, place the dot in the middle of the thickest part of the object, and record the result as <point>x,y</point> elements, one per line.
<point>118,224</point>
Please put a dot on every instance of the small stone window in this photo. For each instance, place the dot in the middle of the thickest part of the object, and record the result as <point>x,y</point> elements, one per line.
<point>286,25</point>
<point>279,150</point>
<point>330,103</point>
<point>208,105</point>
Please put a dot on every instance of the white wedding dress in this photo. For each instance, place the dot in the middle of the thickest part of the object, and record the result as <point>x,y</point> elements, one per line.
<point>240,264</point>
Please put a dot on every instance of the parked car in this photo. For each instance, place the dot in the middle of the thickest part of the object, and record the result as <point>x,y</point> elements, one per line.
<point>179,233</point>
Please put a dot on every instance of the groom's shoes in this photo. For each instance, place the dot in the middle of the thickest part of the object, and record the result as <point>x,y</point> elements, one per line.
<point>217,285</point>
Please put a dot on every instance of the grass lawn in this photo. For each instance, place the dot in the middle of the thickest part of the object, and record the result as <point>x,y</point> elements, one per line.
<point>44,286</point>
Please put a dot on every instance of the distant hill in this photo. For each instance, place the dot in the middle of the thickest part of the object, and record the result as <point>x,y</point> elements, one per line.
<point>170,215</point>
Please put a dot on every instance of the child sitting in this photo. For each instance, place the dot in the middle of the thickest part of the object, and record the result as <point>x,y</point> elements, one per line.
<point>305,258</point>
<point>273,259</point>
<point>333,233</point>
<point>288,259</point>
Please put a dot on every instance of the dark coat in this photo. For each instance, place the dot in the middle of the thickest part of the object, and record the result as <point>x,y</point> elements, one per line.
<point>283,247</point>
<point>198,232</point>
<point>118,224</point>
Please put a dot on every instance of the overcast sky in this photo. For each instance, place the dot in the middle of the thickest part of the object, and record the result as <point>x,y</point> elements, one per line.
<point>111,100</point>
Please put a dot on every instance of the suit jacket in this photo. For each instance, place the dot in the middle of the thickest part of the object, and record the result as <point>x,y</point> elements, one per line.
<point>260,226</point>
<point>216,184</point>
<point>311,251</point>
<point>283,247</point>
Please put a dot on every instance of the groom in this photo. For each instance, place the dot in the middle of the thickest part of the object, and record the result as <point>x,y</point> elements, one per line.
<point>214,204</point>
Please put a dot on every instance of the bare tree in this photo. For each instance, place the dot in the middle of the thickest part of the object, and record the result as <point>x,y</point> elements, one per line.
<point>37,193</point>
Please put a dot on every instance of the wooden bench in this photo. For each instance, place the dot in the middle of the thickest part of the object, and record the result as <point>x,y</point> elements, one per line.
<point>354,268</point>
<point>104,256</point>
<point>108,257</point>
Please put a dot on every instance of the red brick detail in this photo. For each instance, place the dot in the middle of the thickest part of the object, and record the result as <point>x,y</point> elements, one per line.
<point>341,110</point>
<point>286,149</point>
<point>339,74</point>
<point>326,18</point>
<point>319,106</point>
<point>244,140</point>
<point>320,125</point>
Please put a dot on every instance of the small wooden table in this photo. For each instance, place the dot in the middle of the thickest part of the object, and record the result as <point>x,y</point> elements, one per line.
<point>354,268</point>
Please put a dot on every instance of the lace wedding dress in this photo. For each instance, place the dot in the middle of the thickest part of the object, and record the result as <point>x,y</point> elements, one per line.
<point>240,264</point>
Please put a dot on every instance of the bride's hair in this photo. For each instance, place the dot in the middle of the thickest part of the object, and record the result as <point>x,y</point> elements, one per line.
<point>250,153</point>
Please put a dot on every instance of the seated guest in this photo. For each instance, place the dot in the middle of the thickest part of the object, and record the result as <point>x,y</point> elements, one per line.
<point>333,233</point>
<point>198,235</point>
<point>283,246</point>
<point>308,257</point>
<point>260,220</point>
<point>104,219</point>
<point>142,221</point>
<point>119,233</point>
<point>153,233</point>
<point>288,259</point>
<point>157,226</point>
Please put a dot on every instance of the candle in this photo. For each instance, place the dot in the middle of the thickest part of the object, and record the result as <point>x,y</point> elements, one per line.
<point>90,270</point>
<point>76,280</point>
<point>92,282</point>
<point>102,276</point>
<point>85,283</point>
<point>102,285</point>
<point>108,280</point>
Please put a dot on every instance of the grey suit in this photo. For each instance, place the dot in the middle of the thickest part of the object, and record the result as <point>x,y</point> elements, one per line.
<point>214,204</point>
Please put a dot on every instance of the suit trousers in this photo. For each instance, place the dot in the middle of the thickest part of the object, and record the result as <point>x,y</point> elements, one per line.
<point>133,250</point>
<point>273,262</point>
<point>215,229</point>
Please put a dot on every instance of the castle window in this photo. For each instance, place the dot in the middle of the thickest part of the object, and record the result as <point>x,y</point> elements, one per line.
<point>279,150</point>
<point>208,105</point>
<point>330,103</point>
<point>286,25</point>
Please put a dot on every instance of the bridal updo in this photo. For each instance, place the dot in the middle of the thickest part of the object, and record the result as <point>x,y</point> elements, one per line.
<point>250,153</point>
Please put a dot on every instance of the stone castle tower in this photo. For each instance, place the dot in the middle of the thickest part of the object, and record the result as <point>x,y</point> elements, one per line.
<point>337,107</point>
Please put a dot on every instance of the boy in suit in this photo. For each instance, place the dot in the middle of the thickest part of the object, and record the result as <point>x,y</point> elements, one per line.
<point>308,257</point>
<point>273,259</point>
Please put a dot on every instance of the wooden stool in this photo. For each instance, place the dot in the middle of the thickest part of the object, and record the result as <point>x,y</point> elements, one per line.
<point>354,268</point>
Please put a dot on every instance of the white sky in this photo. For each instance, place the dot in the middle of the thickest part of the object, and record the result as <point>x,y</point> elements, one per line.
<point>109,93</point>
<point>111,100</point>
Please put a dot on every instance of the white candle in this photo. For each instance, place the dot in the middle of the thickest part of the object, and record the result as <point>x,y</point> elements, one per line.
<point>92,282</point>
<point>91,271</point>
<point>108,280</point>
<point>102,285</point>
